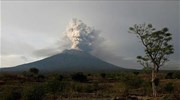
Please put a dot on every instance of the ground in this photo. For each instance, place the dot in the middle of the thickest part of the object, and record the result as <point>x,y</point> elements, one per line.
<point>133,85</point>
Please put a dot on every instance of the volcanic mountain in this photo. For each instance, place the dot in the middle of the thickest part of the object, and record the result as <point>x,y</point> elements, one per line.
<point>68,61</point>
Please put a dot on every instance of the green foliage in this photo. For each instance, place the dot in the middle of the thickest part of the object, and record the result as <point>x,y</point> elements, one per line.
<point>168,97</point>
<point>59,77</point>
<point>34,71</point>
<point>157,48</point>
<point>169,75</point>
<point>84,88</point>
<point>55,86</point>
<point>176,75</point>
<point>135,72</point>
<point>147,70</point>
<point>40,78</point>
<point>12,94</point>
<point>79,77</point>
<point>156,42</point>
<point>34,93</point>
<point>132,80</point>
<point>103,75</point>
<point>169,87</point>
<point>146,85</point>
<point>27,74</point>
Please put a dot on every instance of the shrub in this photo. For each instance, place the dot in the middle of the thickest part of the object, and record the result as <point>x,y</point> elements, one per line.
<point>91,88</point>
<point>103,75</point>
<point>169,87</point>
<point>135,73</point>
<point>34,93</point>
<point>146,87</point>
<point>27,74</point>
<point>84,87</point>
<point>132,81</point>
<point>147,70</point>
<point>169,75</point>
<point>176,75</point>
<point>40,78</point>
<point>79,77</point>
<point>77,87</point>
<point>59,77</point>
<point>54,86</point>
<point>34,70</point>
<point>12,94</point>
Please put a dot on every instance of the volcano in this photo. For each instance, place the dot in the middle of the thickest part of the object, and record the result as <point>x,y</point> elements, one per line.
<point>68,61</point>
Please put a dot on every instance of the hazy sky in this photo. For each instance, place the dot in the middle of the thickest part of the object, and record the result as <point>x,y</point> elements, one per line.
<point>32,30</point>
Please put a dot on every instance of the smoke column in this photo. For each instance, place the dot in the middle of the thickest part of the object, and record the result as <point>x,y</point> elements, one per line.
<point>81,36</point>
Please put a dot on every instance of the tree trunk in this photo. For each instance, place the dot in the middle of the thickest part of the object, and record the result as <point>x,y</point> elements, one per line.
<point>153,83</point>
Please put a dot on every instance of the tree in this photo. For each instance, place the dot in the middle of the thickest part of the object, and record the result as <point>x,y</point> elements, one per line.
<point>103,75</point>
<point>176,75</point>
<point>34,70</point>
<point>169,75</point>
<point>79,77</point>
<point>157,48</point>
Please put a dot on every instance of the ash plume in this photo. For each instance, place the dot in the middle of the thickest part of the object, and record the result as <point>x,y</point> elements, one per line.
<point>82,37</point>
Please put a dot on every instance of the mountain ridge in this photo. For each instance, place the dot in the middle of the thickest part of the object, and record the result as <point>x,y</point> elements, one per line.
<point>68,61</point>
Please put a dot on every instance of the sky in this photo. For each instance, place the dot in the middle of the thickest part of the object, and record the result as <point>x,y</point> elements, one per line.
<point>33,30</point>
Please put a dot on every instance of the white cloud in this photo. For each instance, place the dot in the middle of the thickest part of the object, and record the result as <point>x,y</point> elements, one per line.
<point>12,60</point>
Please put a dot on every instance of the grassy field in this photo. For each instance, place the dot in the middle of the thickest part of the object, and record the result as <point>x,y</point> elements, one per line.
<point>135,85</point>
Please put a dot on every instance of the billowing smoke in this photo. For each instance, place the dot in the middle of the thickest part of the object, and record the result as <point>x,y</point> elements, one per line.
<point>81,36</point>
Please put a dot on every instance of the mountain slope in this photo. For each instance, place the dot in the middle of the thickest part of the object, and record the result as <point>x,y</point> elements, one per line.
<point>68,61</point>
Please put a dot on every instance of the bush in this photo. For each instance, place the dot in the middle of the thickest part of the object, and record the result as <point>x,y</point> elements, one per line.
<point>135,73</point>
<point>34,93</point>
<point>169,87</point>
<point>91,88</point>
<point>132,81</point>
<point>103,75</point>
<point>169,75</point>
<point>40,78</point>
<point>53,86</point>
<point>12,94</point>
<point>79,77</point>
<point>84,88</point>
<point>147,70</point>
<point>59,77</point>
<point>34,70</point>
<point>176,75</point>
<point>147,87</point>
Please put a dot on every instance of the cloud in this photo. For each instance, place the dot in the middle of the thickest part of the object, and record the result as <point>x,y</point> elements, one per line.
<point>55,48</point>
<point>100,47</point>
<point>172,65</point>
<point>13,60</point>
<point>46,52</point>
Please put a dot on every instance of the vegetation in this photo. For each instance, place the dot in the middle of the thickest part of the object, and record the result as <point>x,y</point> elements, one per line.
<point>79,77</point>
<point>169,87</point>
<point>157,48</point>
<point>88,86</point>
